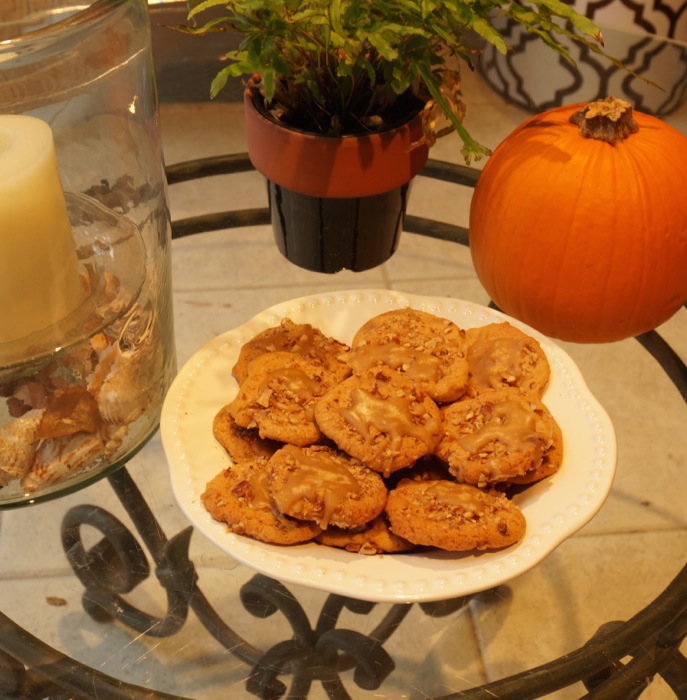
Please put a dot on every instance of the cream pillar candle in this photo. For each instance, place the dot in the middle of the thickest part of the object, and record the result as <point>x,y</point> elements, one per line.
<point>39,280</point>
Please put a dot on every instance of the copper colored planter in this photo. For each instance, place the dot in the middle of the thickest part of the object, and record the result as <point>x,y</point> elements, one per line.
<point>336,202</point>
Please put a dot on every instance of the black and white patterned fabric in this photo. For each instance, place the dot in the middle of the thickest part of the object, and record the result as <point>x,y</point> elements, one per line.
<point>650,40</point>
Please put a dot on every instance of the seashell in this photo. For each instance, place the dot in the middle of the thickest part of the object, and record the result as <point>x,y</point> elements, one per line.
<point>107,350</point>
<point>117,299</point>
<point>30,394</point>
<point>136,329</point>
<point>98,343</point>
<point>124,380</point>
<point>18,445</point>
<point>120,339</point>
<point>113,438</point>
<point>57,459</point>
<point>99,374</point>
<point>123,398</point>
<point>114,297</point>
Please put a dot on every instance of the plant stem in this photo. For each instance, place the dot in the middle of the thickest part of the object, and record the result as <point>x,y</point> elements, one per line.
<point>471,148</point>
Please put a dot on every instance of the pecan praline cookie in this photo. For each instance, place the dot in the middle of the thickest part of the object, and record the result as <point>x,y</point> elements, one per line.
<point>498,436</point>
<point>427,349</point>
<point>239,496</point>
<point>241,444</point>
<point>299,338</point>
<point>550,464</point>
<point>454,517</point>
<point>381,418</point>
<point>326,486</point>
<point>501,356</point>
<point>278,397</point>
<point>372,538</point>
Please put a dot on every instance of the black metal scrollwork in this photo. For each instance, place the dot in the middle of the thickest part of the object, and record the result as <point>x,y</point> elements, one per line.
<point>317,654</point>
<point>117,563</point>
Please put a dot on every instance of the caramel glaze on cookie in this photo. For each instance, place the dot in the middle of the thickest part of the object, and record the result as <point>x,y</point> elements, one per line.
<point>550,464</point>
<point>240,497</point>
<point>278,397</point>
<point>499,436</point>
<point>241,444</point>
<point>500,356</point>
<point>299,338</point>
<point>325,486</point>
<point>381,418</point>
<point>425,348</point>
<point>454,517</point>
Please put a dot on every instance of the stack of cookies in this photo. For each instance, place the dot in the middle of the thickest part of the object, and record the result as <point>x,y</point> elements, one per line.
<point>414,436</point>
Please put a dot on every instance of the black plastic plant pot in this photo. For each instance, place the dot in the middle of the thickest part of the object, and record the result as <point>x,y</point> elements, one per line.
<point>334,234</point>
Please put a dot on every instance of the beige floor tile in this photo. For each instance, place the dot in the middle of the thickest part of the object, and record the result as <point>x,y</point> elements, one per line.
<point>534,622</point>
<point>414,261</point>
<point>651,442</point>
<point>252,264</point>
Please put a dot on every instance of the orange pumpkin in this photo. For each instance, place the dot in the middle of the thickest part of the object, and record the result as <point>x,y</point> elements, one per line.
<point>579,227</point>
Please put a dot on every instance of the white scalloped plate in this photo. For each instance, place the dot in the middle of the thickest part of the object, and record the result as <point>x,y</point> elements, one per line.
<point>554,508</point>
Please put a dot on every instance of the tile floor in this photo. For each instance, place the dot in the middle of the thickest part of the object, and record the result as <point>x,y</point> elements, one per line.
<point>616,565</point>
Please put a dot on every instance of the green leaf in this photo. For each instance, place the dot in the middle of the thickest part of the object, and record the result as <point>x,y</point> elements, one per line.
<point>428,7</point>
<point>205,5</point>
<point>385,49</point>
<point>268,82</point>
<point>580,22</point>
<point>220,80</point>
<point>487,31</point>
<point>199,31</point>
<point>335,17</point>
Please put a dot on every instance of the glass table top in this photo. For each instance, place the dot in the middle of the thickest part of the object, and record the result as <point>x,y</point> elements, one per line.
<point>241,634</point>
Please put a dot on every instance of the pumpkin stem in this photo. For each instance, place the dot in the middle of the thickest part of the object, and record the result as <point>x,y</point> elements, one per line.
<point>609,119</point>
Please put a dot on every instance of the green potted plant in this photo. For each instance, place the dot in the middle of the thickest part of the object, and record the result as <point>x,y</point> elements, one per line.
<point>336,86</point>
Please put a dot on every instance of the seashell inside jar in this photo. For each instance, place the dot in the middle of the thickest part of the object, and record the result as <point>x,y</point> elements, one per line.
<point>87,408</point>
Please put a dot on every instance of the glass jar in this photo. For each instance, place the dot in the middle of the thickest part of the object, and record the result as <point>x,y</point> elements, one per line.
<point>87,351</point>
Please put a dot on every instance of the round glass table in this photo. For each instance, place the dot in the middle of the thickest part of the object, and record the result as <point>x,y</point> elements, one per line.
<point>109,593</point>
